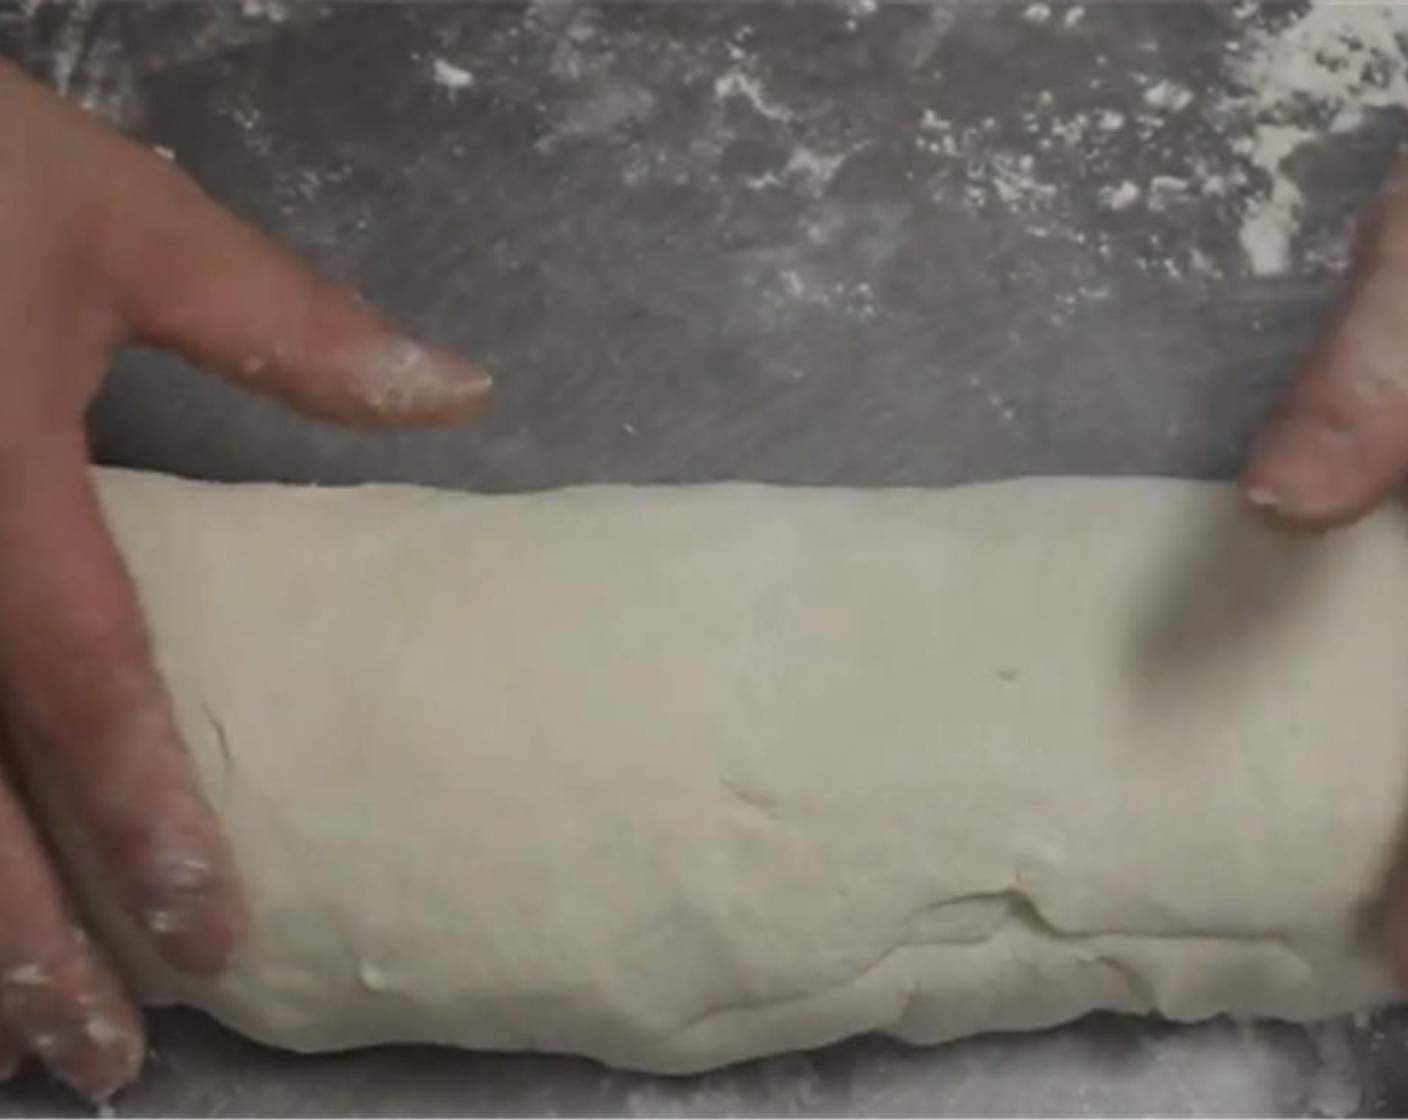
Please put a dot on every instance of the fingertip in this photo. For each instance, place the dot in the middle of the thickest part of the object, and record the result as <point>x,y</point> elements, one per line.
<point>194,912</point>
<point>76,1019</point>
<point>1397,937</point>
<point>196,280</point>
<point>200,939</point>
<point>400,381</point>
<point>103,1072</point>
<point>1308,473</point>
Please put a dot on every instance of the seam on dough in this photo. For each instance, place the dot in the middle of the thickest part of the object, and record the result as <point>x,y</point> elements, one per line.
<point>1026,913</point>
<point>1024,908</point>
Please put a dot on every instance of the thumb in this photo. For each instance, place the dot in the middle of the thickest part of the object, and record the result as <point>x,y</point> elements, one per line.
<point>1339,443</point>
<point>190,277</point>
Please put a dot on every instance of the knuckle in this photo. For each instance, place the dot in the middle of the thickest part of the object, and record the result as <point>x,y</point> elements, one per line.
<point>103,700</point>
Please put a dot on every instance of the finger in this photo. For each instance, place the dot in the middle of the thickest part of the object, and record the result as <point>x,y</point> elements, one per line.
<point>197,280</point>
<point>11,1055</point>
<point>57,997</point>
<point>80,681</point>
<point>1340,440</point>
<point>1398,934</point>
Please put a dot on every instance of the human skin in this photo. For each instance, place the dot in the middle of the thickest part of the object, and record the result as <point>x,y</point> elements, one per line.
<point>103,244</point>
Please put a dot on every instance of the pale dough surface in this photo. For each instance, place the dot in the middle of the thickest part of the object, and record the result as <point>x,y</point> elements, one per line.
<point>673,777</point>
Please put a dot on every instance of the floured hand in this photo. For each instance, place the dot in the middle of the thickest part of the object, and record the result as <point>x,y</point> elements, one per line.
<point>1339,443</point>
<point>103,244</point>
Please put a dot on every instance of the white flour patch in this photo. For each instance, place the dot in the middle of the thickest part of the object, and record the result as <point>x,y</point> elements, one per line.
<point>1016,183</point>
<point>814,170</point>
<point>738,84</point>
<point>1168,95</point>
<point>449,76</point>
<point>1335,1087</point>
<point>1120,197</point>
<point>979,169</point>
<point>275,11</point>
<point>1319,75</point>
<point>1271,221</point>
<point>1293,78</point>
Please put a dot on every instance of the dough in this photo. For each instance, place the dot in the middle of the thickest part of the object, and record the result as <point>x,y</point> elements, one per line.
<point>674,777</point>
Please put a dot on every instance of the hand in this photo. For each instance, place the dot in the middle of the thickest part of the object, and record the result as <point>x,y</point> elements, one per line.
<point>1339,443</point>
<point>102,244</point>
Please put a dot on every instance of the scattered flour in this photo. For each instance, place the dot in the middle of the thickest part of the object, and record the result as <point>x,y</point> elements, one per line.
<point>1317,75</point>
<point>275,11</point>
<point>1271,221</point>
<point>1121,197</point>
<point>1294,76</point>
<point>451,77</point>
<point>813,169</point>
<point>1335,1087</point>
<point>1298,74</point>
<point>1164,190</point>
<point>1168,95</point>
<point>737,83</point>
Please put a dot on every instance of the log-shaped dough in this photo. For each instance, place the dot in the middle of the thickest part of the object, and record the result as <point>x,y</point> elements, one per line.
<point>677,776</point>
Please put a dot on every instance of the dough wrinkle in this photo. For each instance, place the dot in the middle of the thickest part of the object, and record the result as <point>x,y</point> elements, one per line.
<point>1141,989</point>
<point>704,1018</point>
<point>977,916</point>
<point>222,738</point>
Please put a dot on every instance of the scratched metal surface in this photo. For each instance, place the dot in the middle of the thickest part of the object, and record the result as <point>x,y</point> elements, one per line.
<point>825,243</point>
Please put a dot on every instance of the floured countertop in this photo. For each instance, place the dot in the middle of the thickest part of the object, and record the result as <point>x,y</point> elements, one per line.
<point>833,243</point>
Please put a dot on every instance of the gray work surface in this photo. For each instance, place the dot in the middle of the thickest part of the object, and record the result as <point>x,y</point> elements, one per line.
<point>828,243</point>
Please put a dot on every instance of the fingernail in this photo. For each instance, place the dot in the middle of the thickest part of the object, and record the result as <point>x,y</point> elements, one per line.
<point>1261,498</point>
<point>25,976</point>
<point>190,913</point>
<point>94,1068</point>
<point>403,378</point>
<point>1306,468</point>
<point>177,896</point>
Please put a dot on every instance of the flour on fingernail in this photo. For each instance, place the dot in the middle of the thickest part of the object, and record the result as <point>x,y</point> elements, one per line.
<point>26,976</point>
<point>162,921</point>
<point>182,885</point>
<point>1262,498</point>
<point>103,1031</point>
<point>186,873</point>
<point>400,376</point>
